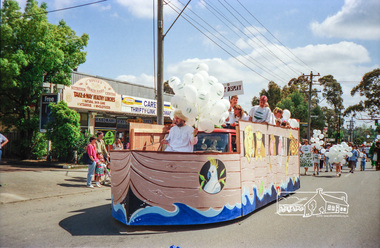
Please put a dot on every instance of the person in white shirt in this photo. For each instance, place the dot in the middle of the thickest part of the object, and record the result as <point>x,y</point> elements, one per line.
<point>182,137</point>
<point>231,113</point>
<point>238,115</point>
<point>261,113</point>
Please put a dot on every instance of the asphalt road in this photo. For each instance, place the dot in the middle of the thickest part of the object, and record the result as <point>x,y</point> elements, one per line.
<point>52,208</point>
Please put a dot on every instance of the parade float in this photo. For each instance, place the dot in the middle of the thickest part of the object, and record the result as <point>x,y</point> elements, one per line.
<point>230,174</point>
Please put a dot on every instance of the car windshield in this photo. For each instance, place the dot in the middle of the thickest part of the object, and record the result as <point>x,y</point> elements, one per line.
<point>212,142</point>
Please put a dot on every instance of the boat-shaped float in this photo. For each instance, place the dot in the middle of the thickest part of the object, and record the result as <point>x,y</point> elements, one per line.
<point>226,178</point>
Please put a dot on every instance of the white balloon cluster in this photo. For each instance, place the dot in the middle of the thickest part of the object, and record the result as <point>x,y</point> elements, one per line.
<point>199,97</point>
<point>316,141</point>
<point>292,122</point>
<point>338,153</point>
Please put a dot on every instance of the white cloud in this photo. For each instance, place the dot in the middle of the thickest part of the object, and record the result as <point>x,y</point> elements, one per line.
<point>358,19</point>
<point>144,9</point>
<point>346,61</point>
<point>143,79</point>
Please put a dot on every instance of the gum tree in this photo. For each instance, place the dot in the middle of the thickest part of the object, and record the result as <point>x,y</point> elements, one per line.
<point>32,51</point>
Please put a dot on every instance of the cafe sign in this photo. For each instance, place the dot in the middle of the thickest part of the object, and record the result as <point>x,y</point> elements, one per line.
<point>92,94</point>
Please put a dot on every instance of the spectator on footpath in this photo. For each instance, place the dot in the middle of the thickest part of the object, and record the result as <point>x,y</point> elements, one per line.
<point>306,156</point>
<point>91,151</point>
<point>99,170</point>
<point>327,159</point>
<point>363,158</point>
<point>3,142</point>
<point>101,146</point>
<point>353,159</point>
<point>182,137</point>
<point>261,113</point>
<point>118,145</point>
<point>321,161</point>
<point>376,155</point>
<point>316,161</point>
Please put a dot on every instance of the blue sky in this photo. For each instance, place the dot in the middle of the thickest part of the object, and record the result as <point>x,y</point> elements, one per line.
<point>339,37</point>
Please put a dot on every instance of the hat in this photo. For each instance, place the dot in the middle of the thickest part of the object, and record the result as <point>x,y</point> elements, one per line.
<point>178,114</point>
<point>265,98</point>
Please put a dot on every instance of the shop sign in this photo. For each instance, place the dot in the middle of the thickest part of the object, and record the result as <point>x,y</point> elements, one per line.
<point>92,94</point>
<point>137,105</point>
<point>45,113</point>
<point>109,138</point>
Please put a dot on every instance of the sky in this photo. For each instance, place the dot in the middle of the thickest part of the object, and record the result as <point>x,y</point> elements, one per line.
<point>249,40</point>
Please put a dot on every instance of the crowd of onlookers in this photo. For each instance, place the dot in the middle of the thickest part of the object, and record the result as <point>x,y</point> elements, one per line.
<point>359,156</point>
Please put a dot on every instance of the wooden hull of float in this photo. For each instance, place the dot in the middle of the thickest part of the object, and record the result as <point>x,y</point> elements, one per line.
<point>169,188</point>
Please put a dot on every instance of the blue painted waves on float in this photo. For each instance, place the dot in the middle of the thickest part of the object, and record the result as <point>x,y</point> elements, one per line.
<point>184,214</point>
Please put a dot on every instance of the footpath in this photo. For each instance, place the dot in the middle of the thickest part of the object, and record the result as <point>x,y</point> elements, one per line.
<point>33,180</point>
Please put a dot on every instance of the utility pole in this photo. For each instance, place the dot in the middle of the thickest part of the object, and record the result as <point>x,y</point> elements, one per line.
<point>351,127</point>
<point>309,107</point>
<point>160,62</point>
<point>160,58</point>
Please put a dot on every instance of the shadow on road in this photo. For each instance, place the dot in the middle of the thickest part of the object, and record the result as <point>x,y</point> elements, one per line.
<point>99,221</point>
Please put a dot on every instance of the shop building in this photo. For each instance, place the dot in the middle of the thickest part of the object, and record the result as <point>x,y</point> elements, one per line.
<point>110,105</point>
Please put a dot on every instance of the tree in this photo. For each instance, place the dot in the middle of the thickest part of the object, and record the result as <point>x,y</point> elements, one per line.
<point>369,87</point>
<point>332,92</point>
<point>273,93</point>
<point>32,51</point>
<point>64,131</point>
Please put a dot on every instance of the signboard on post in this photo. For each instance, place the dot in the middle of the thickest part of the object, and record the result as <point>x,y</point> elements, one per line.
<point>233,88</point>
<point>45,112</point>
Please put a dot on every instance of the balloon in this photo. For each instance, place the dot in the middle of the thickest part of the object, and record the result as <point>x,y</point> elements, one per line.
<point>191,93</point>
<point>203,97</point>
<point>188,78</point>
<point>171,115</point>
<point>217,91</point>
<point>189,110</point>
<point>204,74</point>
<point>321,136</point>
<point>219,107</point>
<point>293,123</point>
<point>175,101</point>
<point>368,136</point>
<point>202,67</point>
<point>198,80</point>
<point>174,81</point>
<point>349,154</point>
<point>312,140</point>
<point>314,131</point>
<point>190,122</point>
<point>226,103</point>
<point>212,81</point>
<point>349,149</point>
<point>178,89</point>
<point>286,114</point>
<point>321,142</point>
<point>206,125</point>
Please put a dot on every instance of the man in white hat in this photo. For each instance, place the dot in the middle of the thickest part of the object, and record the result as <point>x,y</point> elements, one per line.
<point>182,137</point>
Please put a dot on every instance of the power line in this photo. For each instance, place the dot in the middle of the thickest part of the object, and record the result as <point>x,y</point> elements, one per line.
<point>274,36</point>
<point>219,44</point>
<point>237,28</point>
<point>67,8</point>
<point>252,60</point>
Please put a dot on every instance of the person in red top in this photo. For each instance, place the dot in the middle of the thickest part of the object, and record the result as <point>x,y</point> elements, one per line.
<point>91,151</point>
